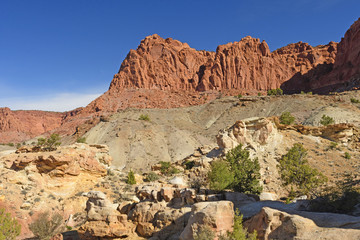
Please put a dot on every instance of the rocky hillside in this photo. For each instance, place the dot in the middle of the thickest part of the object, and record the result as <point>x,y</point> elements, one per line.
<point>165,73</point>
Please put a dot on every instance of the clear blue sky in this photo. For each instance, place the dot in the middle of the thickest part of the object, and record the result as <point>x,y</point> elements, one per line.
<point>60,54</point>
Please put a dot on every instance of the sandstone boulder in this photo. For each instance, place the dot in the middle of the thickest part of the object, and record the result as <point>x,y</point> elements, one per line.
<point>219,216</point>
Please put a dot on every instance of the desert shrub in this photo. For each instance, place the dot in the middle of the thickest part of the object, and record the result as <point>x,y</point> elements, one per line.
<point>341,198</point>
<point>239,96</point>
<point>347,155</point>
<point>220,176</point>
<point>332,146</point>
<point>275,92</point>
<point>9,227</point>
<point>354,100</point>
<point>11,144</point>
<point>50,143</point>
<point>302,93</point>
<point>245,172</point>
<point>151,177</point>
<point>295,170</point>
<point>287,118</point>
<point>144,117</point>
<point>81,140</point>
<point>259,94</point>
<point>326,120</point>
<point>189,164</point>
<point>167,169</point>
<point>46,226</point>
<point>131,178</point>
<point>238,233</point>
<point>204,233</point>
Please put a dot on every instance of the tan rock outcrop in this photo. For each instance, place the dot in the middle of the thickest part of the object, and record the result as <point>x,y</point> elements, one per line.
<point>248,132</point>
<point>69,160</point>
<point>274,224</point>
<point>219,216</point>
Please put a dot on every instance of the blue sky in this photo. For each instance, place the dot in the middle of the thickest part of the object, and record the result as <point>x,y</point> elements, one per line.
<point>61,54</point>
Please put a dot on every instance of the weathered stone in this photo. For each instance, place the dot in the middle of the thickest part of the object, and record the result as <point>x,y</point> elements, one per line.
<point>219,216</point>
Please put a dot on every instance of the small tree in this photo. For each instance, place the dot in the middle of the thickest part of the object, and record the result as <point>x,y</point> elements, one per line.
<point>245,172</point>
<point>286,118</point>
<point>220,176</point>
<point>294,170</point>
<point>45,227</point>
<point>49,144</point>
<point>131,178</point>
<point>326,120</point>
<point>9,227</point>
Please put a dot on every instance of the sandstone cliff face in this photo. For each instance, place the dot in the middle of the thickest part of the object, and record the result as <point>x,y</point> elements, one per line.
<point>347,62</point>
<point>247,65</point>
<point>20,125</point>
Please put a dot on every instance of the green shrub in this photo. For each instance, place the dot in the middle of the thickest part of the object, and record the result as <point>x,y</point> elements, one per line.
<point>259,94</point>
<point>220,176</point>
<point>204,233</point>
<point>238,233</point>
<point>286,118</point>
<point>347,155</point>
<point>11,144</point>
<point>302,93</point>
<point>354,100</point>
<point>144,117</point>
<point>9,227</point>
<point>189,164</point>
<point>309,93</point>
<point>167,169</point>
<point>341,198</point>
<point>332,146</point>
<point>45,227</point>
<point>295,170</point>
<point>50,143</point>
<point>81,140</point>
<point>275,92</point>
<point>131,178</point>
<point>246,172</point>
<point>239,96</point>
<point>151,177</point>
<point>326,120</point>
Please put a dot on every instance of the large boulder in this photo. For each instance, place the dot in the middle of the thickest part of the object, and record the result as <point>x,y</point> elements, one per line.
<point>218,216</point>
<point>275,224</point>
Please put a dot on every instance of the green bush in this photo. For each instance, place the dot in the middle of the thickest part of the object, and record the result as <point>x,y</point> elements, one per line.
<point>275,92</point>
<point>131,178</point>
<point>259,94</point>
<point>81,140</point>
<point>189,164</point>
<point>9,227</point>
<point>151,177</point>
<point>45,227</point>
<point>347,155</point>
<point>239,96</point>
<point>238,233</point>
<point>144,117</point>
<point>332,146</point>
<point>220,176</point>
<point>341,198</point>
<point>246,172</point>
<point>167,169</point>
<point>286,118</point>
<point>50,143</point>
<point>326,120</point>
<point>295,170</point>
<point>354,100</point>
<point>204,233</point>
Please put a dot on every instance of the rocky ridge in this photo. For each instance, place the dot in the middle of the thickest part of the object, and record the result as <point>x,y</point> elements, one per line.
<point>165,73</point>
